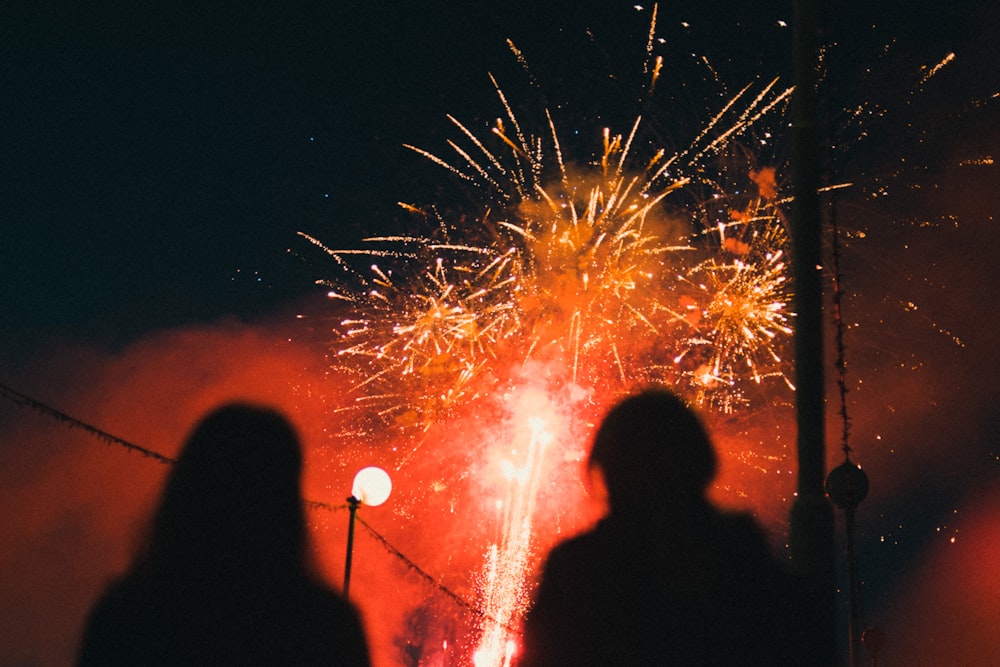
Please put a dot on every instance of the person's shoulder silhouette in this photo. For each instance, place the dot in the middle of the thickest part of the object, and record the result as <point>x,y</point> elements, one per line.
<point>665,578</point>
<point>223,576</point>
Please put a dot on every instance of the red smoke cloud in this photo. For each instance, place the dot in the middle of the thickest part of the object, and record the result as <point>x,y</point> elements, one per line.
<point>947,614</point>
<point>73,505</point>
<point>922,408</point>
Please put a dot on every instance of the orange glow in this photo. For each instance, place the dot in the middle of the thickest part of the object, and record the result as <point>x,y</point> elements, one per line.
<point>517,328</point>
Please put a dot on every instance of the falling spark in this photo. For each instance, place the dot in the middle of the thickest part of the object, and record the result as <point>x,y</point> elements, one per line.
<point>933,71</point>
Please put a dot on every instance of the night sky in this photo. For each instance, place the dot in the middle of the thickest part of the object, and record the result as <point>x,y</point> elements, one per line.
<point>157,162</point>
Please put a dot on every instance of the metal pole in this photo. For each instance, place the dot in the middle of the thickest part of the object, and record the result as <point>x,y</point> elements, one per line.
<point>352,504</point>
<point>854,592</point>
<point>811,521</point>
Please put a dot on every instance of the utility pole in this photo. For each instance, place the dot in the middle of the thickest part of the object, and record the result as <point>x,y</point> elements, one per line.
<point>811,521</point>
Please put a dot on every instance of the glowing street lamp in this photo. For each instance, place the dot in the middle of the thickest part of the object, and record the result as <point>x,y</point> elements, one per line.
<point>372,487</point>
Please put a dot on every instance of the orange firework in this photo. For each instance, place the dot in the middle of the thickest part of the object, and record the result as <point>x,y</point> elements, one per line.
<point>589,270</point>
<point>572,283</point>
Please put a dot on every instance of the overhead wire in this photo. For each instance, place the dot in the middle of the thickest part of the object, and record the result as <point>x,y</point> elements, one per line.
<point>23,400</point>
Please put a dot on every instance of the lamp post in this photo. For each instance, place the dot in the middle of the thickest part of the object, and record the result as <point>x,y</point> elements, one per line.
<point>371,487</point>
<point>847,486</point>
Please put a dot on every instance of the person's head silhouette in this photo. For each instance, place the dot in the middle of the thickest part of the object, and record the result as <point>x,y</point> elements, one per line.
<point>652,451</point>
<point>233,499</point>
<point>666,577</point>
<point>223,577</point>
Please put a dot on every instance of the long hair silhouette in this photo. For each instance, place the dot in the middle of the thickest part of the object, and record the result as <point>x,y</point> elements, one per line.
<point>223,576</point>
<point>232,505</point>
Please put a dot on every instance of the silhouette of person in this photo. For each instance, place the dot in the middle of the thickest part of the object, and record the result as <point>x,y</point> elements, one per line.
<point>664,578</point>
<point>223,577</point>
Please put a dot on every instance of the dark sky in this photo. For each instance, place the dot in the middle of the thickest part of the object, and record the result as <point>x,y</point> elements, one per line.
<point>156,162</point>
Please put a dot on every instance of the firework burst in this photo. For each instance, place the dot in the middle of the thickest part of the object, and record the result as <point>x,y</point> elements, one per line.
<point>582,266</point>
<point>572,282</point>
